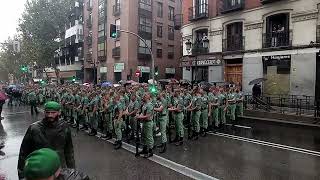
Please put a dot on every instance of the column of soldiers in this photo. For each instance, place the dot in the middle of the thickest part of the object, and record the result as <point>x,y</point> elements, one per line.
<point>122,111</point>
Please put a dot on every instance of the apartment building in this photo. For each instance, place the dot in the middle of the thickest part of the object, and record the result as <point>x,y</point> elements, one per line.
<point>240,40</point>
<point>115,59</point>
<point>69,56</point>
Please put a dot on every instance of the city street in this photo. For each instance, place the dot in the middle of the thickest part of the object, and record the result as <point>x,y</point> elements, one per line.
<point>251,150</point>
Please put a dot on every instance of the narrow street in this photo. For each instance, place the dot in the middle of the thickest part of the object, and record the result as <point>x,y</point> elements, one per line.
<point>252,150</point>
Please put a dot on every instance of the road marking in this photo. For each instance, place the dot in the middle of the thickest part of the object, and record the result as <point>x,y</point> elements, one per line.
<point>194,174</point>
<point>269,144</point>
<point>245,127</point>
<point>11,114</point>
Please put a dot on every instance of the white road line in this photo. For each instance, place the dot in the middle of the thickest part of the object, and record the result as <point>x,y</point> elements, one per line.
<point>11,114</point>
<point>167,163</point>
<point>245,127</point>
<point>269,144</point>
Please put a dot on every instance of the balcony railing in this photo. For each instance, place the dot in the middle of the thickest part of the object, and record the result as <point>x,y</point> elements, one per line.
<point>116,9</point>
<point>171,36</point>
<point>198,12</point>
<point>89,6</point>
<point>89,23</point>
<point>277,39</point>
<point>232,5</point>
<point>233,43</point>
<point>116,52</point>
<point>268,1</point>
<point>199,49</point>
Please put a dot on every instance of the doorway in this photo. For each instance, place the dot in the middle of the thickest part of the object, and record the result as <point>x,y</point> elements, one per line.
<point>233,71</point>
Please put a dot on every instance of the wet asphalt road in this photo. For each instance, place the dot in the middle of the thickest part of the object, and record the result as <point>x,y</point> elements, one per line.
<point>221,156</point>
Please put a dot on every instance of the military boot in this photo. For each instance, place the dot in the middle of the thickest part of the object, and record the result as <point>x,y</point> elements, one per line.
<point>180,141</point>
<point>149,153</point>
<point>163,148</point>
<point>118,145</point>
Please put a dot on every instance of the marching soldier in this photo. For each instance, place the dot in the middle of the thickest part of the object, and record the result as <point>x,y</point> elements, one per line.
<point>118,121</point>
<point>177,108</point>
<point>132,110</point>
<point>222,107</point>
<point>163,120</point>
<point>231,104</point>
<point>196,113</point>
<point>214,110</point>
<point>146,117</point>
<point>240,98</point>
<point>204,112</point>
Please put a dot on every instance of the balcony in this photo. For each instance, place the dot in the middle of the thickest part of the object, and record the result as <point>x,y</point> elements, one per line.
<point>198,49</point>
<point>233,43</point>
<point>232,5</point>
<point>268,1</point>
<point>116,52</point>
<point>277,39</point>
<point>89,23</point>
<point>198,12</point>
<point>171,36</point>
<point>89,6</point>
<point>116,9</point>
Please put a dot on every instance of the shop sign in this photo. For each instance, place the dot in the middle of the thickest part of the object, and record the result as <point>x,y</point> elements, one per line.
<point>103,69</point>
<point>276,57</point>
<point>170,70</point>
<point>202,62</point>
<point>118,67</point>
<point>144,69</point>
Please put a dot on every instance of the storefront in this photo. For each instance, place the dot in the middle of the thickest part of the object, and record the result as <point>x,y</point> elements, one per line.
<point>203,68</point>
<point>117,70</point>
<point>145,74</point>
<point>276,69</point>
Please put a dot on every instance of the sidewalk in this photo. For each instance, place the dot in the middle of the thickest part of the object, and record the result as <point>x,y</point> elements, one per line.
<point>306,119</point>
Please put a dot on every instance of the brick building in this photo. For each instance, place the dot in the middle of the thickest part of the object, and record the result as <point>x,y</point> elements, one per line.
<point>108,59</point>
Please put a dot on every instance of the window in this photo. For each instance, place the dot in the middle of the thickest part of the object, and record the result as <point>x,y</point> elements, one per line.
<point>159,31</point>
<point>101,30</point>
<point>170,33</point>
<point>159,53</point>
<point>145,4</point>
<point>170,52</point>
<point>145,24</point>
<point>143,48</point>
<point>101,47</point>
<point>171,13</point>
<point>160,10</point>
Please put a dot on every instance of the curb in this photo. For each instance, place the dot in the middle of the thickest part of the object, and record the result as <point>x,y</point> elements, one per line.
<point>281,121</point>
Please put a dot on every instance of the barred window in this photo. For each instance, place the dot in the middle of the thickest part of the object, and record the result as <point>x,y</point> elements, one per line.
<point>145,4</point>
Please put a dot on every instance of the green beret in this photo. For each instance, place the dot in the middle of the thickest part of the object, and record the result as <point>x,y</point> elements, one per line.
<point>41,163</point>
<point>52,106</point>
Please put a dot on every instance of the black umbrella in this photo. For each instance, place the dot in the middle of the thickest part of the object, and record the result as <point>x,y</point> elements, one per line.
<point>257,81</point>
<point>164,81</point>
<point>185,82</point>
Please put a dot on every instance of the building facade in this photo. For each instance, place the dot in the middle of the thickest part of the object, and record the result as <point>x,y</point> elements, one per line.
<point>115,59</point>
<point>249,39</point>
<point>69,57</point>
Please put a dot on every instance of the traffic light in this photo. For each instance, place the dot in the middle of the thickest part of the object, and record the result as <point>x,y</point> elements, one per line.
<point>156,71</point>
<point>113,31</point>
<point>153,89</point>
<point>24,68</point>
<point>73,79</point>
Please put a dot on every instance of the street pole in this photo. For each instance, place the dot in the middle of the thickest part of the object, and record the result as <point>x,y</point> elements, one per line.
<point>144,41</point>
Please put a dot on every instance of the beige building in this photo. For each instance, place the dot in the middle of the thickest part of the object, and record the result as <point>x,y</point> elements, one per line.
<point>249,39</point>
<point>108,59</point>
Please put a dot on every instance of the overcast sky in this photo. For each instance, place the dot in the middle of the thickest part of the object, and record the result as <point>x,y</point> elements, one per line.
<point>10,12</point>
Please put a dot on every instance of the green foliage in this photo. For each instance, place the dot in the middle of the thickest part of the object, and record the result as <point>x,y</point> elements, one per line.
<point>42,23</point>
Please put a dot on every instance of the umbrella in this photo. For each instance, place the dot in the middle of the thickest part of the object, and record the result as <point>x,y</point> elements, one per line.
<point>185,82</point>
<point>174,81</point>
<point>86,84</point>
<point>106,84</point>
<point>257,81</point>
<point>116,85</point>
<point>150,81</point>
<point>164,81</point>
<point>204,83</point>
<point>132,82</point>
